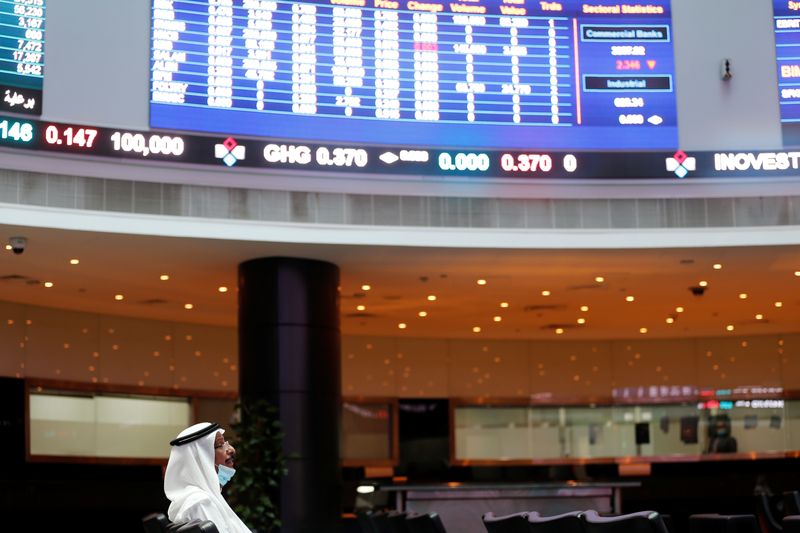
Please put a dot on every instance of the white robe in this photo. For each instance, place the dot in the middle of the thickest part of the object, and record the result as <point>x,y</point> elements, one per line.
<point>192,485</point>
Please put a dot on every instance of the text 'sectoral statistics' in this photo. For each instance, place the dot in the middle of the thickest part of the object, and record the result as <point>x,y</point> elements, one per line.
<point>410,72</point>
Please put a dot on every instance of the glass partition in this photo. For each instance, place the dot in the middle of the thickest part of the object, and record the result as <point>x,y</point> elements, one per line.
<point>655,431</point>
<point>368,433</point>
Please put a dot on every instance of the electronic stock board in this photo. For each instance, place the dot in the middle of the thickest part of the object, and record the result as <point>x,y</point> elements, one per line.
<point>22,25</point>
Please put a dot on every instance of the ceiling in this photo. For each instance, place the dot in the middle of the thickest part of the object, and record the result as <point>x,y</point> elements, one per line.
<point>402,278</point>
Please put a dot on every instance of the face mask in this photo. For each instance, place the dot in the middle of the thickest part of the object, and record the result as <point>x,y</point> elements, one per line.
<point>225,474</point>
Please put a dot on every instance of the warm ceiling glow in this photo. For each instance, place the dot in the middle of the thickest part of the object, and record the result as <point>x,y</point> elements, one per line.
<point>743,296</point>
<point>584,308</point>
<point>8,247</point>
<point>504,304</point>
<point>797,273</point>
<point>48,284</point>
<point>729,327</point>
<point>759,316</point>
<point>119,297</point>
<point>642,330</point>
<point>423,314</point>
<point>581,321</point>
<point>778,304</point>
<point>670,320</point>
<point>559,331</point>
<point>599,279</point>
<point>431,298</point>
<point>366,287</point>
<point>679,309</point>
<point>717,266</point>
<point>402,325</point>
<point>497,319</point>
<point>545,293</point>
<point>629,298</point>
<point>222,289</point>
<point>188,306</point>
<point>164,277</point>
<point>481,282</point>
<point>476,329</point>
<point>361,308</point>
<point>74,261</point>
<point>703,284</point>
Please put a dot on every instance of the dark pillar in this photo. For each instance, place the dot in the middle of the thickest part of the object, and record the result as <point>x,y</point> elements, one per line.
<point>289,353</point>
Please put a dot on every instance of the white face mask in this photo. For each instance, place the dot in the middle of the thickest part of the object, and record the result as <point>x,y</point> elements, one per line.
<point>224,473</point>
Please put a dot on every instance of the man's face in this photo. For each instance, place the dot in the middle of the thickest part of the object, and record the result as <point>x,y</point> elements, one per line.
<point>224,453</point>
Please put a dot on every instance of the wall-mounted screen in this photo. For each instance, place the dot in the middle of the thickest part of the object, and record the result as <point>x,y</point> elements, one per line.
<point>484,74</point>
<point>787,52</point>
<point>21,55</point>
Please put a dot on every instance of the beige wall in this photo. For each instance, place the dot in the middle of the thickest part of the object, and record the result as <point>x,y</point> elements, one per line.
<point>56,344</point>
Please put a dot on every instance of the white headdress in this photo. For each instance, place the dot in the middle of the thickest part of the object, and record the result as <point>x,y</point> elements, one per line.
<point>191,481</point>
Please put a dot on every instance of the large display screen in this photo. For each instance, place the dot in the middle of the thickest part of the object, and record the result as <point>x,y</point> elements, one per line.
<point>787,52</point>
<point>21,55</point>
<point>481,74</point>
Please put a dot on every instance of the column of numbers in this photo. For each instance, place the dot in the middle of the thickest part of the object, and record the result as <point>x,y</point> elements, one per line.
<point>426,66</point>
<point>553,62</point>
<point>29,51</point>
<point>304,58</point>
<point>220,53</point>
<point>348,56</point>
<point>260,38</point>
<point>387,64</point>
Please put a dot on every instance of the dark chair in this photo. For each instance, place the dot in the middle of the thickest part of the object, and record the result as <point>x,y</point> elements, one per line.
<point>563,523</point>
<point>397,522</point>
<point>641,522</point>
<point>766,518</point>
<point>424,523</point>
<point>510,523</point>
<point>791,503</point>
<point>366,522</point>
<point>155,523</point>
<point>791,524</point>
<point>715,523</point>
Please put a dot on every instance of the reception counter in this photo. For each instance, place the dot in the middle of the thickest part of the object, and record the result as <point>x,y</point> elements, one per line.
<point>461,505</point>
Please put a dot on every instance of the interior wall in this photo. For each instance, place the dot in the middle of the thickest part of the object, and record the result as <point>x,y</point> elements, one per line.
<point>40,342</point>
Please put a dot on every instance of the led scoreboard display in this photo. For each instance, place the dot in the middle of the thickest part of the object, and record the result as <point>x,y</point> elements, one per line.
<point>478,74</point>
<point>21,55</point>
<point>787,52</point>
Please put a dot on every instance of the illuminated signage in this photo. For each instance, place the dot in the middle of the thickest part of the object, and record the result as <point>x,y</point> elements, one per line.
<point>478,75</point>
<point>21,55</point>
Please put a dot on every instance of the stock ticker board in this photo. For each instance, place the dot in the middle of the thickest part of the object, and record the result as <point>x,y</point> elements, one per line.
<point>481,74</point>
<point>787,52</point>
<point>22,25</point>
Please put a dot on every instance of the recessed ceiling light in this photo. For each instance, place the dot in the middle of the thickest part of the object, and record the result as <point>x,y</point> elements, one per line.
<point>8,247</point>
<point>188,306</point>
<point>48,284</point>
<point>423,314</point>
<point>670,320</point>
<point>729,327</point>
<point>581,321</point>
<point>679,309</point>
<point>74,261</point>
<point>545,293</point>
<point>361,308</point>
<point>222,289</point>
<point>743,296</point>
<point>476,329</point>
<point>759,316</point>
<point>366,287</point>
<point>778,304</point>
<point>559,331</point>
<point>402,325</point>
<point>481,282</point>
<point>599,279</point>
<point>642,330</point>
<point>431,298</point>
<point>703,283</point>
<point>584,308</point>
<point>164,277</point>
<point>797,273</point>
<point>629,298</point>
<point>504,304</point>
<point>498,319</point>
<point>717,266</point>
<point>119,297</point>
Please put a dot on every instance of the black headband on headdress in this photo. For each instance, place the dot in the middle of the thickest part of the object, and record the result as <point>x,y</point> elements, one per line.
<point>191,437</point>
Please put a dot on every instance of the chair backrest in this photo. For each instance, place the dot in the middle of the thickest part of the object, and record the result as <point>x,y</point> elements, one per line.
<point>641,522</point>
<point>155,523</point>
<point>791,524</point>
<point>397,522</point>
<point>791,503</point>
<point>366,523</point>
<point>510,523</point>
<point>424,523</point>
<point>766,518</point>
<point>716,523</point>
<point>571,522</point>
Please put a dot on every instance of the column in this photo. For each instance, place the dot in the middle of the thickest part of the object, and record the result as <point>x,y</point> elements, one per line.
<point>289,353</point>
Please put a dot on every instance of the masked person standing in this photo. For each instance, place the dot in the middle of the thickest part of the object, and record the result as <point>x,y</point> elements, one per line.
<point>200,463</point>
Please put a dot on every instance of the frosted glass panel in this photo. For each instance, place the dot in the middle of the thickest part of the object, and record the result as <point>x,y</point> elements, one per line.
<point>105,426</point>
<point>366,431</point>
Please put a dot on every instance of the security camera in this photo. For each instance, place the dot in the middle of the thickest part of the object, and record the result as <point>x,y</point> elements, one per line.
<point>18,244</point>
<point>698,291</point>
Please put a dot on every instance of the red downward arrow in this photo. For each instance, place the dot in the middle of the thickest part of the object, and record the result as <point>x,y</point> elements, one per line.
<point>651,63</point>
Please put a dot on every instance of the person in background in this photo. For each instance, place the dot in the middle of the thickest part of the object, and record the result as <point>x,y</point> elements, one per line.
<point>719,432</point>
<point>200,462</point>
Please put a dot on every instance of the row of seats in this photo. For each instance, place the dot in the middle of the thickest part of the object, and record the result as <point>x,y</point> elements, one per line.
<point>159,523</point>
<point>575,522</point>
<point>399,522</point>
